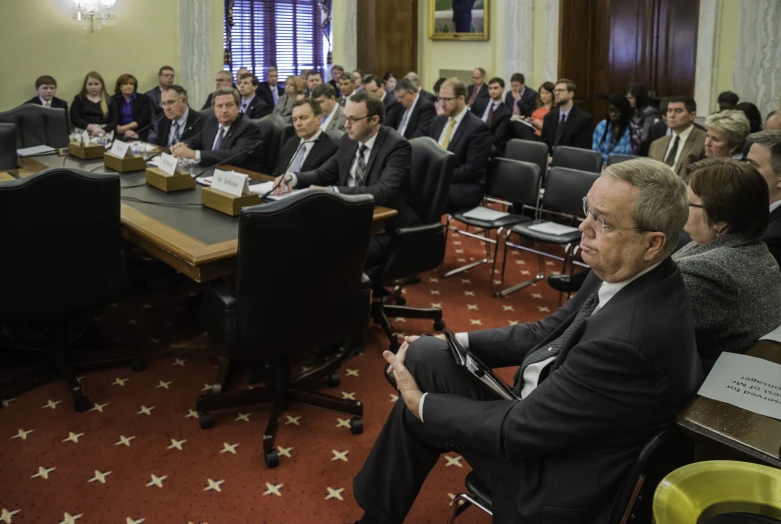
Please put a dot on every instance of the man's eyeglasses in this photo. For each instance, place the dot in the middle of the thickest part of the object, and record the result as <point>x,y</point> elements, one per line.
<point>602,225</point>
<point>354,119</point>
<point>167,103</point>
<point>443,99</point>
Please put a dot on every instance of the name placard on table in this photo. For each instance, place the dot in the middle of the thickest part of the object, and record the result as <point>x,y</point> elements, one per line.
<point>230,182</point>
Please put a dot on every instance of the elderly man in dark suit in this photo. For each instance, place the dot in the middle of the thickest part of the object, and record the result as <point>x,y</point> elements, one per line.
<point>311,147</point>
<point>223,79</point>
<point>225,136</point>
<point>180,123</point>
<point>372,159</point>
<point>521,99</point>
<point>596,379</point>
<point>765,155</point>
<point>495,114</point>
<point>478,89</point>
<point>418,112</point>
<point>468,138</point>
<point>567,124</point>
<point>270,90</point>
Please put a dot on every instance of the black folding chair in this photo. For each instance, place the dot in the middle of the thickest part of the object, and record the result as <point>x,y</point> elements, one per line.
<point>577,158</point>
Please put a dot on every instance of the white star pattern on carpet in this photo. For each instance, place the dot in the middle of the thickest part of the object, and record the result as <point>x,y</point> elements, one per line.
<point>334,494</point>
<point>7,402</point>
<point>191,413</point>
<point>472,307</point>
<point>293,420</point>
<point>70,519</point>
<point>176,444</point>
<point>119,381</point>
<point>6,515</point>
<point>348,396</point>
<point>43,473</point>
<point>145,411</point>
<point>214,485</point>
<point>179,362</point>
<point>73,437</point>
<point>242,416</point>
<point>100,476</point>
<point>342,422</point>
<point>436,305</point>
<point>99,407</point>
<point>22,434</point>
<point>339,455</point>
<point>163,384</point>
<point>273,489</point>
<point>475,321</point>
<point>124,441</point>
<point>133,521</point>
<point>469,293</point>
<point>229,448</point>
<point>507,308</point>
<point>393,397</point>
<point>156,481</point>
<point>453,461</point>
<point>51,404</point>
<point>284,452</point>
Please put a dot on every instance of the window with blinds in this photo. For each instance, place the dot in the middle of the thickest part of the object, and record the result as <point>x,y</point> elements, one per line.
<point>287,34</point>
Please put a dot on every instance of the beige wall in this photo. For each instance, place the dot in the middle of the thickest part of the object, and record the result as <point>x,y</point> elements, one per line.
<point>37,37</point>
<point>724,55</point>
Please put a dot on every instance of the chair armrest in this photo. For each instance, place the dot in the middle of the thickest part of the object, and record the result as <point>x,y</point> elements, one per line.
<point>414,250</point>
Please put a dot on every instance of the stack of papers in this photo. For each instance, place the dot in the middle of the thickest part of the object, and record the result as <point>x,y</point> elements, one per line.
<point>35,151</point>
<point>552,228</point>
<point>485,213</point>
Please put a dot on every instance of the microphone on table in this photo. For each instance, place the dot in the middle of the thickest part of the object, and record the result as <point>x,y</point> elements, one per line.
<point>221,162</point>
<point>166,148</point>
<point>138,132</point>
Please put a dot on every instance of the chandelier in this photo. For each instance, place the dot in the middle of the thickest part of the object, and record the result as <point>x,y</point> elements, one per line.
<point>94,14</point>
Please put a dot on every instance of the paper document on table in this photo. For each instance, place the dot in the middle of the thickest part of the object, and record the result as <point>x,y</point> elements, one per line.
<point>485,213</point>
<point>750,383</point>
<point>35,151</point>
<point>552,228</point>
<point>206,181</point>
<point>774,335</point>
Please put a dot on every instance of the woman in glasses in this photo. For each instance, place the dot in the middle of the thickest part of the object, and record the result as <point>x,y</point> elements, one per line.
<point>733,281</point>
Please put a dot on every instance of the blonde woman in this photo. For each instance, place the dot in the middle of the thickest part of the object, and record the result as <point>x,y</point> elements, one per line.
<point>92,108</point>
<point>294,90</point>
<point>726,134</point>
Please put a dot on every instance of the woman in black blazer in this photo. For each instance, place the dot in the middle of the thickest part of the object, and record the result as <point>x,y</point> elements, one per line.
<point>92,109</point>
<point>133,109</point>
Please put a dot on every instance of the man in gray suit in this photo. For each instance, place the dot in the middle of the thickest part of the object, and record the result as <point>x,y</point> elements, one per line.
<point>333,114</point>
<point>686,144</point>
<point>596,379</point>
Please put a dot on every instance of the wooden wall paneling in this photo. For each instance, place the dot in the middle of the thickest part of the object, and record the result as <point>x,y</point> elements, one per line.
<point>631,43</point>
<point>575,56</point>
<point>387,36</point>
<point>676,52</point>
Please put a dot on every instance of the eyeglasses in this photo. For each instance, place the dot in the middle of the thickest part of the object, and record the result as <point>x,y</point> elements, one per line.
<point>354,119</point>
<point>443,99</point>
<point>602,225</point>
<point>170,102</point>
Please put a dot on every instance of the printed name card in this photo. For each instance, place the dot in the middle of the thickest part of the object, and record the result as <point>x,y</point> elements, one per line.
<point>169,164</point>
<point>85,138</point>
<point>230,182</point>
<point>119,149</point>
<point>750,383</point>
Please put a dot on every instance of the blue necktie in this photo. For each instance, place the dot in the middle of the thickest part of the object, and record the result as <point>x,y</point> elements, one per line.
<point>274,94</point>
<point>175,137</point>
<point>298,159</point>
<point>218,142</point>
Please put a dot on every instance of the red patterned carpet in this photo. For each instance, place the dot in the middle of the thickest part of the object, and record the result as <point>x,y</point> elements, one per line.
<point>139,455</point>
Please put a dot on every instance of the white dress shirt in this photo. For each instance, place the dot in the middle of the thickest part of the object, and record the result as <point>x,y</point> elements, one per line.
<point>182,121</point>
<point>458,118</point>
<point>531,374</point>
<point>324,124</point>
<point>495,105</point>
<point>245,104</point>
<point>45,103</point>
<point>408,114</point>
<point>308,145</point>
<point>684,136</point>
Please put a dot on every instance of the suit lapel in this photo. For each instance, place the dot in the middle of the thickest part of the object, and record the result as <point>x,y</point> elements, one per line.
<point>349,159</point>
<point>459,132</point>
<point>686,149</point>
<point>375,151</point>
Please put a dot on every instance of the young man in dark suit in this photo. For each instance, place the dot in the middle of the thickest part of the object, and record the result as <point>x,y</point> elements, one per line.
<point>521,99</point>
<point>495,114</point>
<point>466,136</point>
<point>765,155</point>
<point>252,106</point>
<point>270,90</point>
<point>417,112</point>
<point>478,89</point>
<point>375,86</point>
<point>226,135</point>
<point>596,379</point>
<point>566,124</point>
<point>311,147</point>
<point>46,89</point>
<point>180,123</point>
<point>336,74</point>
<point>372,159</point>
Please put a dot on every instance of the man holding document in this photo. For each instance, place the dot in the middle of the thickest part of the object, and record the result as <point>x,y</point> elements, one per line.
<point>595,380</point>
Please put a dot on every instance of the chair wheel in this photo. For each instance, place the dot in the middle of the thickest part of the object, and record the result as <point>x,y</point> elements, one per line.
<point>400,301</point>
<point>439,325</point>
<point>356,425</point>
<point>81,404</point>
<point>138,365</point>
<point>334,380</point>
<point>206,420</point>
<point>271,459</point>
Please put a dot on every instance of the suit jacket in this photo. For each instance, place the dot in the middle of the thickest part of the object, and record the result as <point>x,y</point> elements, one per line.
<point>693,150</point>
<point>257,109</point>
<point>655,132</point>
<point>735,292</point>
<point>500,124</point>
<point>393,110</point>
<point>241,136</point>
<point>141,112</point>
<point>483,93</point>
<point>264,92</point>
<point>772,235</point>
<point>527,103</point>
<point>578,129</point>
<point>431,97</point>
<point>423,114</point>
<point>335,85</point>
<point>560,454</point>
<point>208,103</point>
<point>471,145</point>
<point>192,127</point>
<point>337,122</point>
<point>155,97</point>
<point>387,174</point>
<point>324,148</point>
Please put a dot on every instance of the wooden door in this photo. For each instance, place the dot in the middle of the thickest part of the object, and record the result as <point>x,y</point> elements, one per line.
<point>387,36</point>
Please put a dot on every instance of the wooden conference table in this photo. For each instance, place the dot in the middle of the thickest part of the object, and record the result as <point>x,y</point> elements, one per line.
<point>725,432</point>
<point>195,240</point>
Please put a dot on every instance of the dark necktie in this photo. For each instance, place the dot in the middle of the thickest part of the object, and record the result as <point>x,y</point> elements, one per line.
<point>552,349</point>
<point>670,160</point>
<point>218,142</point>
<point>175,138</point>
<point>360,169</point>
<point>490,118</point>
<point>298,159</point>
<point>559,133</point>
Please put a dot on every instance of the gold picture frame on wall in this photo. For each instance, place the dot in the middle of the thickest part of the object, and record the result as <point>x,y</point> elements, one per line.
<point>458,19</point>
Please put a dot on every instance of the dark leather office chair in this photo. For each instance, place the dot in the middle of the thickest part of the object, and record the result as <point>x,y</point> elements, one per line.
<point>577,158</point>
<point>415,249</point>
<point>512,183</point>
<point>62,257</point>
<point>8,146</point>
<point>206,113</point>
<point>273,132</point>
<point>616,158</point>
<point>666,451</point>
<point>276,311</point>
<point>38,126</point>
<point>563,198</point>
<point>528,151</point>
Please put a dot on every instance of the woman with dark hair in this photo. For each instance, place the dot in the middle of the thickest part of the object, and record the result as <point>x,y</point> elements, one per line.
<point>613,135</point>
<point>644,114</point>
<point>390,82</point>
<point>92,109</point>
<point>732,280</point>
<point>133,108</point>
<point>544,105</point>
<point>752,113</point>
